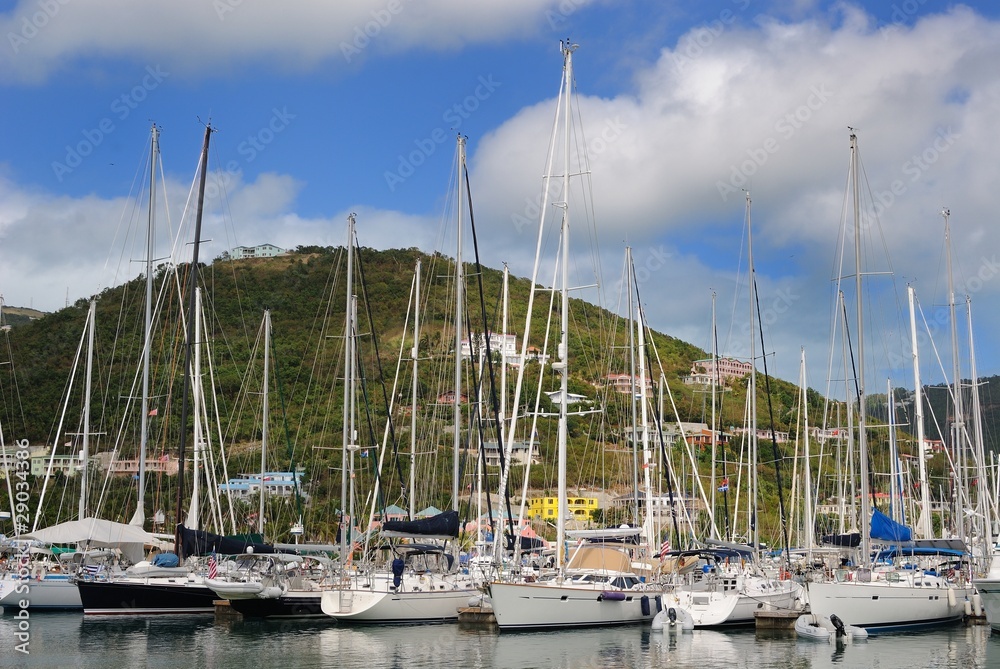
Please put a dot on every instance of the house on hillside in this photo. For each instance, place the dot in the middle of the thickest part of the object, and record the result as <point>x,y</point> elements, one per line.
<point>262,251</point>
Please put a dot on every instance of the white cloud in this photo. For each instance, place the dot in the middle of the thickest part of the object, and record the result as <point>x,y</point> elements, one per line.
<point>188,36</point>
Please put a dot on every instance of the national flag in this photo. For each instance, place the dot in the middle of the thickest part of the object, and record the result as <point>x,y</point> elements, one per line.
<point>725,485</point>
<point>664,547</point>
<point>154,412</point>
<point>213,569</point>
<point>93,569</point>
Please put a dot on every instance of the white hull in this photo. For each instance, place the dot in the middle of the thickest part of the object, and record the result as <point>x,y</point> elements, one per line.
<point>51,592</point>
<point>719,607</point>
<point>243,589</point>
<point>416,606</point>
<point>887,605</point>
<point>821,628</point>
<point>547,604</point>
<point>989,592</point>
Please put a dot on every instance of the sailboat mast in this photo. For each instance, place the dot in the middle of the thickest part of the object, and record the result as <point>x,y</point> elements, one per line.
<point>958,426</point>
<point>85,453</point>
<point>715,440</point>
<point>562,366</point>
<point>807,511</point>
<point>189,344</point>
<point>866,510</point>
<point>636,434</point>
<point>414,354</point>
<point>264,417</point>
<point>140,512</point>
<point>924,521</point>
<point>347,436</point>
<point>752,399</point>
<point>459,329</point>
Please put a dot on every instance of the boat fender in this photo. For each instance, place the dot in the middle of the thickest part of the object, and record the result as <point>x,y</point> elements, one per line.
<point>968,608</point>
<point>659,603</point>
<point>952,601</point>
<point>644,604</point>
<point>977,604</point>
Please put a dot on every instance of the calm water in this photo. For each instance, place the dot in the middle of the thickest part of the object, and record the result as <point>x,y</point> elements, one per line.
<point>70,640</point>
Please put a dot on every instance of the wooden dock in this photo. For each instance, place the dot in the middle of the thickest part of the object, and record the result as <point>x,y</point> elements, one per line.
<point>777,620</point>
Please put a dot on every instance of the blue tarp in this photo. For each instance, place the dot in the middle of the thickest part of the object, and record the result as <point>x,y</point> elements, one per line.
<point>885,528</point>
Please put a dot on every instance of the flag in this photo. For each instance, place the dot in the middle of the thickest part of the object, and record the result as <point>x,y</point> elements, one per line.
<point>93,569</point>
<point>664,547</point>
<point>164,458</point>
<point>213,569</point>
<point>725,485</point>
<point>153,412</point>
<point>364,453</point>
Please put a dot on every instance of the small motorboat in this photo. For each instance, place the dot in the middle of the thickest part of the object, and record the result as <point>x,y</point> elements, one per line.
<point>673,619</point>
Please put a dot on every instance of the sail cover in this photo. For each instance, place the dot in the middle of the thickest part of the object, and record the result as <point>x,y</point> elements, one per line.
<point>96,533</point>
<point>199,542</point>
<point>885,528</point>
<point>442,526</point>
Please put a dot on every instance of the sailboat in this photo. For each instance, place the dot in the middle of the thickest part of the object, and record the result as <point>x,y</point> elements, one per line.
<point>878,594</point>
<point>422,582</point>
<point>597,586</point>
<point>732,584</point>
<point>162,586</point>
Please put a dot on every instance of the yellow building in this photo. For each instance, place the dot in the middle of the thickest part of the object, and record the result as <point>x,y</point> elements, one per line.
<point>546,508</point>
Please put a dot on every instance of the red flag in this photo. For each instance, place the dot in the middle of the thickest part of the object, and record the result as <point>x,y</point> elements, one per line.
<point>153,412</point>
<point>213,569</point>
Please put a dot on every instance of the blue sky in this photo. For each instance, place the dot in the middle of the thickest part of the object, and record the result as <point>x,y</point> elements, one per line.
<point>320,109</point>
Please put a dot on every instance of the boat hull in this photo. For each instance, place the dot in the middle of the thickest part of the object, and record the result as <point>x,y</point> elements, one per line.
<point>153,596</point>
<point>373,606</point>
<point>548,606</point>
<point>734,608</point>
<point>54,592</point>
<point>888,606</point>
<point>989,592</point>
<point>288,605</point>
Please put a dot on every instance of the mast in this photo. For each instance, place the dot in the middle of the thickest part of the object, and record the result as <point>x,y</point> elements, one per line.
<point>924,520</point>
<point>85,452</point>
<point>866,510</point>
<point>752,400</point>
<point>263,430</point>
<point>197,447</point>
<point>807,511</point>
<point>637,435</point>
<point>414,354</point>
<point>459,329</point>
<point>562,366</point>
<point>347,428</point>
<point>189,344</point>
<point>715,441</point>
<point>958,426</point>
<point>139,517</point>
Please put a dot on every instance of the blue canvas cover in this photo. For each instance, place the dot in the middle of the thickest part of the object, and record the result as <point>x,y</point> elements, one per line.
<point>885,528</point>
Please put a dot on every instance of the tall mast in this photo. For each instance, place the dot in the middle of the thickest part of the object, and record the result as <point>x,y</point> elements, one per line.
<point>715,441</point>
<point>924,520</point>
<point>636,427</point>
<point>807,511</point>
<point>264,417</point>
<point>346,522</point>
<point>414,354</point>
<point>562,366</point>
<point>193,282</point>
<point>85,453</point>
<point>197,447</point>
<point>140,511</point>
<point>459,329</point>
<point>866,510</point>
<point>958,426</point>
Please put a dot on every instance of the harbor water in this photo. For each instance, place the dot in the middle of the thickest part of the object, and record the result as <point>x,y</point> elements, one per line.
<point>73,640</point>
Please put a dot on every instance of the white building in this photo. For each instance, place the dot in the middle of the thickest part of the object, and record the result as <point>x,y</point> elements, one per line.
<point>500,345</point>
<point>262,251</point>
<point>723,369</point>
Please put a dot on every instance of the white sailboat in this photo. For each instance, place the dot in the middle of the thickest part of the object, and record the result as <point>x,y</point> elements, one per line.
<point>598,585</point>
<point>421,583</point>
<point>877,594</point>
